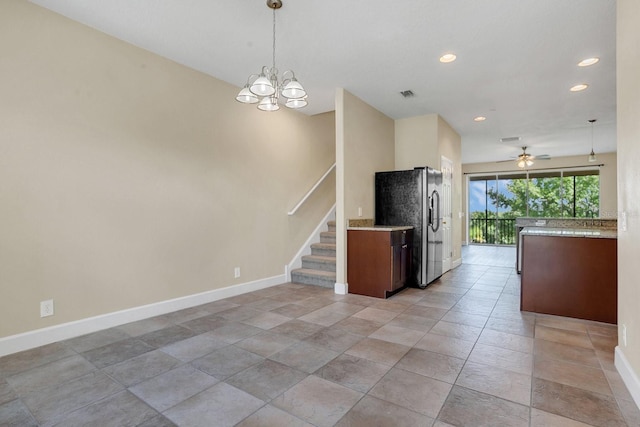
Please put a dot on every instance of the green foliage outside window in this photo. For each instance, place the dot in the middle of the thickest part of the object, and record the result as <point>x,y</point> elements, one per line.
<point>549,195</point>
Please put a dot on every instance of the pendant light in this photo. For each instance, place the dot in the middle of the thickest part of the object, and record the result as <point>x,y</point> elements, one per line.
<point>268,86</point>
<point>592,155</point>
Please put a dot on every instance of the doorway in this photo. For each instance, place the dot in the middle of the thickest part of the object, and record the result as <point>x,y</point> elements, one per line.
<point>446,167</point>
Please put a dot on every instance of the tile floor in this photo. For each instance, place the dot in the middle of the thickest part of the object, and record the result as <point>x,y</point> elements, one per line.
<point>459,353</point>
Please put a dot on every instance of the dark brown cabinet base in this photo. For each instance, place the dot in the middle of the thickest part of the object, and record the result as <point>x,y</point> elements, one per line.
<point>570,276</point>
<point>378,262</point>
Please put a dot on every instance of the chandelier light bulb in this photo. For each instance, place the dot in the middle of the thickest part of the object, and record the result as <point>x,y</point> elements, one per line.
<point>293,89</point>
<point>246,96</point>
<point>262,86</point>
<point>296,103</point>
<point>269,103</point>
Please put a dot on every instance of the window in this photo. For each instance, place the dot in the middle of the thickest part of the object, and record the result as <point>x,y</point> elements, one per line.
<point>495,201</point>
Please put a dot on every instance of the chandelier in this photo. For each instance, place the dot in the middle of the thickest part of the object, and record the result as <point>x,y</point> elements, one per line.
<point>268,86</point>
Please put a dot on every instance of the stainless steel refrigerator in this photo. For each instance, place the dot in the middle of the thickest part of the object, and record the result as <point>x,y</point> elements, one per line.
<point>412,197</point>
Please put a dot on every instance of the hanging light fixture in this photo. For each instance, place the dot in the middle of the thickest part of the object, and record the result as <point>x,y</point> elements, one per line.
<point>592,155</point>
<point>525,159</point>
<point>267,85</point>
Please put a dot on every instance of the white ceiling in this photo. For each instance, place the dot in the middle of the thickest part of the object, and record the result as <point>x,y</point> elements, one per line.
<point>516,58</point>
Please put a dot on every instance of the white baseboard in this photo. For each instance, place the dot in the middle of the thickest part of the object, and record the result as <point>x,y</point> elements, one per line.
<point>456,263</point>
<point>628,375</point>
<point>305,249</point>
<point>341,288</point>
<point>40,337</point>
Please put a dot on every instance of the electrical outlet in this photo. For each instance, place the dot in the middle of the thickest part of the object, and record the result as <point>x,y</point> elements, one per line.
<point>236,272</point>
<point>624,335</point>
<point>359,211</point>
<point>46,308</point>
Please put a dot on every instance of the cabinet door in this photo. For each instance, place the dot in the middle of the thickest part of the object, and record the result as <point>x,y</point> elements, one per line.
<point>398,272</point>
<point>405,263</point>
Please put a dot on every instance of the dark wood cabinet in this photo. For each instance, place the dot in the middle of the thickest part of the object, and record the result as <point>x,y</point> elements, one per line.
<point>570,276</point>
<point>378,261</point>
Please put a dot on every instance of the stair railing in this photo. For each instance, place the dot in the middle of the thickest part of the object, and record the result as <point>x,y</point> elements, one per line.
<point>317,184</point>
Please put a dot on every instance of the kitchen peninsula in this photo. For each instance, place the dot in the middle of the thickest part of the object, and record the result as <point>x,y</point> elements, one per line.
<point>570,272</point>
<point>610,224</point>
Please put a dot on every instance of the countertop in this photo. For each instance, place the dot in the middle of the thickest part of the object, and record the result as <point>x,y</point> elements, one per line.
<point>590,223</point>
<point>570,232</point>
<point>382,228</point>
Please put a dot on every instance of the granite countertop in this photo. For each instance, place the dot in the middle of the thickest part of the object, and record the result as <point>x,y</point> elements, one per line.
<point>382,228</point>
<point>570,232</point>
<point>574,223</point>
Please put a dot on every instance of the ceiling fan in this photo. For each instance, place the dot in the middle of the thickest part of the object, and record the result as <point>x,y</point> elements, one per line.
<point>525,159</point>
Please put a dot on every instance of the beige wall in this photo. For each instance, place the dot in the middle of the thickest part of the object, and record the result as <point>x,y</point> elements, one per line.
<point>127,179</point>
<point>422,141</point>
<point>416,140</point>
<point>608,178</point>
<point>628,87</point>
<point>364,145</point>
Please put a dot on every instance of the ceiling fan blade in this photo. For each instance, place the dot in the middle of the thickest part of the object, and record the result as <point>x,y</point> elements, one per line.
<point>504,161</point>
<point>543,157</point>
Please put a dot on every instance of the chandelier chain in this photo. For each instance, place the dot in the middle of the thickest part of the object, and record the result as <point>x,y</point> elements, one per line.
<point>274,39</point>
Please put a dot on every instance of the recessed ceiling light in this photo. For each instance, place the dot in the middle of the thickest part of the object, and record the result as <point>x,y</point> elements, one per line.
<point>480,119</point>
<point>578,88</point>
<point>448,57</point>
<point>588,61</point>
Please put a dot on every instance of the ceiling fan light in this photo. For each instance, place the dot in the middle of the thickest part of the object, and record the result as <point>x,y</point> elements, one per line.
<point>521,163</point>
<point>262,86</point>
<point>246,96</point>
<point>293,90</point>
<point>529,162</point>
<point>268,103</point>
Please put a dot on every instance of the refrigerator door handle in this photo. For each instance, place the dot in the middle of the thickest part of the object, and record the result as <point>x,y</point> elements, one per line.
<point>434,195</point>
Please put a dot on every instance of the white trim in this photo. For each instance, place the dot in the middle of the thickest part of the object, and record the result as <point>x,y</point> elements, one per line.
<point>341,288</point>
<point>39,337</point>
<point>305,249</point>
<point>629,377</point>
<point>456,263</point>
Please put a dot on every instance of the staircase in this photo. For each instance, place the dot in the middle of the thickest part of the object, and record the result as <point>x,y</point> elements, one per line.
<point>319,268</point>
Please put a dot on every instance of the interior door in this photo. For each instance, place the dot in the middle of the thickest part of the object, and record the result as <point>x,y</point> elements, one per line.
<point>446,166</point>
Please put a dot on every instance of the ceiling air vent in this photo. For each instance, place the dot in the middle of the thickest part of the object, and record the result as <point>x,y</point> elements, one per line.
<point>510,139</point>
<point>407,93</point>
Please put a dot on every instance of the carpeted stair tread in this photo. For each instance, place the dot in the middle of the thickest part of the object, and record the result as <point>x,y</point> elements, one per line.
<point>324,245</point>
<point>320,258</point>
<point>309,272</point>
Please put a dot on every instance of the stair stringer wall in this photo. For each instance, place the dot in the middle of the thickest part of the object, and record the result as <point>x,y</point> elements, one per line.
<point>305,249</point>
